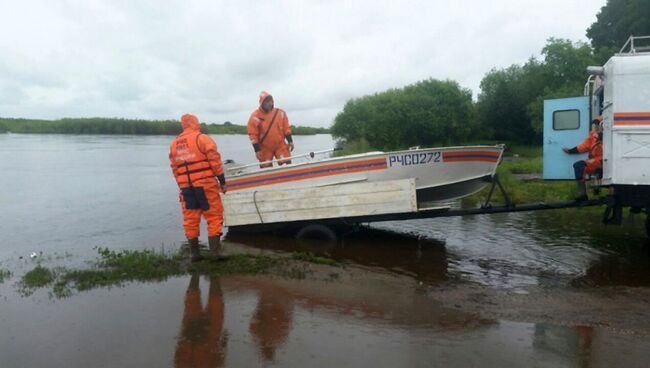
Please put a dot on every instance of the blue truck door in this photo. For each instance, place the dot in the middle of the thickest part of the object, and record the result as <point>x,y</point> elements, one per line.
<point>566,124</point>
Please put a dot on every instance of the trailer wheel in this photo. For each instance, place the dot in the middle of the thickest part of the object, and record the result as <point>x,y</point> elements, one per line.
<point>316,231</point>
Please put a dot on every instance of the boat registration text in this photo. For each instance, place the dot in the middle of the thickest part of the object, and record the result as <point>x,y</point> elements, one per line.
<point>414,158</point>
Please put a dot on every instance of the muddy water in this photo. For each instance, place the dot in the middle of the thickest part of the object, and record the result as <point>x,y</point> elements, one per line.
<point>510,251</point>
<point>257,321</point>
<point>383,308</point>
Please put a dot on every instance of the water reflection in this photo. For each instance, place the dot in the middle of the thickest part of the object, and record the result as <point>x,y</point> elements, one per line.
<point>304,322</point>
<point>504,251</point>
<point>630,267</point>
<point>369,319</point>
<point>271,321</point>
<point>285,308</point>
<point>423,259</point>
<point>571,343</point>
<point>201,342</point>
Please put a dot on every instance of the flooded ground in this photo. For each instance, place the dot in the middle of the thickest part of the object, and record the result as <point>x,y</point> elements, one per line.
<point>539,289</point>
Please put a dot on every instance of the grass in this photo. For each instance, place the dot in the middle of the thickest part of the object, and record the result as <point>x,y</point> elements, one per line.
<point>311,258</point>
<point>532,165</point>
<point>526,160</point>
<point>534,190</point>
<point>4,275</point>
<point>523,151</point>
<point>36,278</point>
<point>114,268</point>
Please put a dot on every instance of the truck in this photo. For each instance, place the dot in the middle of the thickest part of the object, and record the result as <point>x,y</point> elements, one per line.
<point>619,92</point>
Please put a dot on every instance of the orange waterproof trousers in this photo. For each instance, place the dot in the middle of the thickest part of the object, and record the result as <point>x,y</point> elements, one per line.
<point>593,164</point>
<point>279,152</point>
<point>203,199</point>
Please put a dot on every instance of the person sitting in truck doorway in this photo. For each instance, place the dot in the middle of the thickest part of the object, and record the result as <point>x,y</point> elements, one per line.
<point>268,127</point>
<point>594,163</point>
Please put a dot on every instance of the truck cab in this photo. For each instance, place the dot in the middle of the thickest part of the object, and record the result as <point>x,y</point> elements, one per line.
<point>619,91</point>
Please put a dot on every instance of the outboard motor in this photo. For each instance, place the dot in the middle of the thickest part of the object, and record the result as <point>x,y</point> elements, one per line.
<point>230,166</point>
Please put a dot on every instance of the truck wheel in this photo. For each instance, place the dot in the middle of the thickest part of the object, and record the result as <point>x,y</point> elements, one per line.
<point>316,231</point>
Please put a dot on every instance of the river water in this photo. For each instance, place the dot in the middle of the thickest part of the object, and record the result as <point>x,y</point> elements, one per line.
<point>65,195</point>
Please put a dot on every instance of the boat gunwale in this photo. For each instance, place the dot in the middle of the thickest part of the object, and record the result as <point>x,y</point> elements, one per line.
<point>366,155</point>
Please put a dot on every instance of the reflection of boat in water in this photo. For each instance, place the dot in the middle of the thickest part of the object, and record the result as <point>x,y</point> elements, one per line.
<point>383,251</point>
<point>440,174</point>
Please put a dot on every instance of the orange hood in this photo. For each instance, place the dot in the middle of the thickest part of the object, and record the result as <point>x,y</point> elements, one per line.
<point>263,96</point>
<point>190,122</point>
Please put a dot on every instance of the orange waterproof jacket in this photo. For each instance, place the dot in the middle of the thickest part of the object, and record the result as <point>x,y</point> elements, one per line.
<point>193,155</point>
<point>592,145</point>
<point>260,121</point>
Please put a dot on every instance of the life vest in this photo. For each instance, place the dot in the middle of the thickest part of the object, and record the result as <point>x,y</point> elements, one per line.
<point>191,163</point>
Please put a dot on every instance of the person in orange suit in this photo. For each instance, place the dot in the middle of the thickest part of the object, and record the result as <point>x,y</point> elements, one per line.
<point>272,320</point>
<point>268,128</point>
<point>201,342</point>
<point>196,165</point>
<point>594,163</point>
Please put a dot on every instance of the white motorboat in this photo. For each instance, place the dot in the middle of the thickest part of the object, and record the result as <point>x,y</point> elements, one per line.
<point>440,174</point>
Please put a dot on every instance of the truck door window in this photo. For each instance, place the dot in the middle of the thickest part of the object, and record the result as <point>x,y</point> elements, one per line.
<point>566,120</point>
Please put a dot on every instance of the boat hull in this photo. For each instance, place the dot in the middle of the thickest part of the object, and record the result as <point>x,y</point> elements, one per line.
<point>440,174</point>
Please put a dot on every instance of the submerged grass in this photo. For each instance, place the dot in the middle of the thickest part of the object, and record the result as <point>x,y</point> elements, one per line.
<point>114,268</point>
<point>311,258</point>
<point>238,264</point>
<point>39,276</point>
<point>36,278</point>
<point>4,275</point>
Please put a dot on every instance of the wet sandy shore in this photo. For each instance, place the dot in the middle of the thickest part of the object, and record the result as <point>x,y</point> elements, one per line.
<point>620,309</point>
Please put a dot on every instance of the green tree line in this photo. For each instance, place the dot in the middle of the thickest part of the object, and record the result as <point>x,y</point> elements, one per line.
<point>124,126</point>
<point>509,107</point>
<point>418,114</point>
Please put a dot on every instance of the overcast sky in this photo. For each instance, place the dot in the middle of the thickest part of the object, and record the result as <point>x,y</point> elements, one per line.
<point>159,59</point>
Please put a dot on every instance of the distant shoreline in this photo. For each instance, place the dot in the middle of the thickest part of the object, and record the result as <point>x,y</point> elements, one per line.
<point>117,126</point>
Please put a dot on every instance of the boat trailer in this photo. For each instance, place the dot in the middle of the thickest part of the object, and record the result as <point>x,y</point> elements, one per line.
<point>329,227</point>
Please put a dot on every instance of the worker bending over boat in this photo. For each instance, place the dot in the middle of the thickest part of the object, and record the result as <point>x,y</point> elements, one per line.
<point>594,163</point>
<point>268,128</point>
<point>196,164</point>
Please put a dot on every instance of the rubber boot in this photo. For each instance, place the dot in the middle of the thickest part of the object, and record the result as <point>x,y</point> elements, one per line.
<point>215,245</point>
<point>582,191</point>
<point>195,254</point>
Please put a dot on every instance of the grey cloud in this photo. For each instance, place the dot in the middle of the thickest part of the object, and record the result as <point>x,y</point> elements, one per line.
<point>144,59</point>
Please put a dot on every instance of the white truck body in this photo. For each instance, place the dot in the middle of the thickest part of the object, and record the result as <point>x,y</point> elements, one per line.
<point>626,119</point>
<point>619,91</point>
